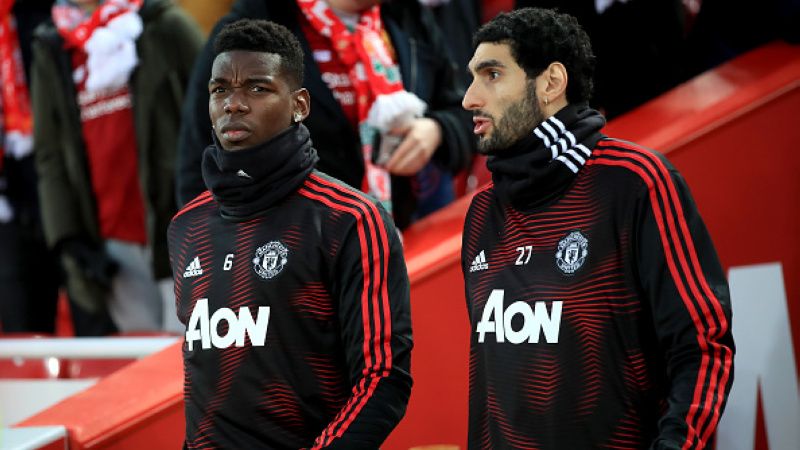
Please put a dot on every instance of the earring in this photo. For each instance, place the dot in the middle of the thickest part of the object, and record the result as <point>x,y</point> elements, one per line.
<point>545,101</point>
<point>298,117</point>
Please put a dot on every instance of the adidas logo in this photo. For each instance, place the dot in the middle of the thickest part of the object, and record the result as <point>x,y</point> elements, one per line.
<point>193,269</point>
<point>479,263</point>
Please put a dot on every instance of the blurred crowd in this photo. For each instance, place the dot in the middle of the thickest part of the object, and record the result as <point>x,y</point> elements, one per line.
<point>105,118</point>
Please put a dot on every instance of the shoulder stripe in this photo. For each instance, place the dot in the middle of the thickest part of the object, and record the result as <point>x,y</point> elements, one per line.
<point>377,345</point>
<point>485,187</point>
<point>676,235</point>
<point>383,241</point>
<point>205,197</point>
<point>361,392</point>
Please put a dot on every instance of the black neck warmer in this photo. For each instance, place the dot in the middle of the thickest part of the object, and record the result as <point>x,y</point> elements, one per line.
<point>251,180</point>
<point>539,167</point>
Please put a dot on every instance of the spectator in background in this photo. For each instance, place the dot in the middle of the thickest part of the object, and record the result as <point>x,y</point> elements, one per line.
<point>107,87</point>
<point>458,20</point>
<point>407,45</point>
<point>640,47</point>
<point>29,273</point>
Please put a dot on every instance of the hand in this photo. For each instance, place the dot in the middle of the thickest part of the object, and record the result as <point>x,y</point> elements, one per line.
<point>94,262</point>
<point>420,140</point>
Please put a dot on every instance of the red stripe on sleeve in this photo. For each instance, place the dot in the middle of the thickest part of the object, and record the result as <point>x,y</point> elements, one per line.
<point>337,192</point>
<point>387,323</point>
<point>714,331</point>
<point>360,391</point>
<point>665,239</point>
<point>372,367</point>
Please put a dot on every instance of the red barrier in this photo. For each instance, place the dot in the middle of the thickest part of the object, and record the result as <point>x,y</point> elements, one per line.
<point>139,407</point>
<point>732,132</point>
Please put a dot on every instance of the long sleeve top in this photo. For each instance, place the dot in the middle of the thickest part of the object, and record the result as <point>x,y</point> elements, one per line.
<point>600,317</point>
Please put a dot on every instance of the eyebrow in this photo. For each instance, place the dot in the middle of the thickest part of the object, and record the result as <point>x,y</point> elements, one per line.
<point>265,79</point>
<point>485,64</point>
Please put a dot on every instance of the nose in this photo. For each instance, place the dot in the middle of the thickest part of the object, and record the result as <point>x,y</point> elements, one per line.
<point>236,102</point>
<point>471,98</point>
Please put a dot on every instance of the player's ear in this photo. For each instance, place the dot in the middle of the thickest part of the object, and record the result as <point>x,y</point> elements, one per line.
<point>553,85</point>
<point>301,104</point>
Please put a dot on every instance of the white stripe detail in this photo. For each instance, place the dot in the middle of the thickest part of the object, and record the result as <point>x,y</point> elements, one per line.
<point>564,145</point>
<point>554,151</point>
<point>571,138</point>
<point>584,149</point>
<point>542,136</point>
<point>571,158</point>
<point>568,163</point>
<point>559,123</point>
<point>577,157</point>
<point>550,130</point>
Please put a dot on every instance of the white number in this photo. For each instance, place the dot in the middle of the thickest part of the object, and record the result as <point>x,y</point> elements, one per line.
<point>228,262</point>
<point>526,250</point>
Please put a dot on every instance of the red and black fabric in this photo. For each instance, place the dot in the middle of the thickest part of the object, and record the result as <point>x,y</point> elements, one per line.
<point>643,354</point>
<point>334,370</point>
<point>16,123</point>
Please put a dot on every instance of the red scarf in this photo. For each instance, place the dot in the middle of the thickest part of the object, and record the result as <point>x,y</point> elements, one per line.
<point>76,28</point>
<point>17,124</point>
<point>372,71</point>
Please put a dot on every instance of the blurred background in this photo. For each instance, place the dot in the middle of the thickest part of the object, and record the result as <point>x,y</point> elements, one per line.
<point>712,84</point>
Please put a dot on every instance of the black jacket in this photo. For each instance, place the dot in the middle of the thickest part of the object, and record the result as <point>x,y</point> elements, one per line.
<point>426,71</point>
<point>318,267</point>
<point>601,316</point>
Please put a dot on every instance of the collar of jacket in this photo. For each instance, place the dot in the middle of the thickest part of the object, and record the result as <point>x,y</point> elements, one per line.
<point>248,181</point>
<point>538,168</point>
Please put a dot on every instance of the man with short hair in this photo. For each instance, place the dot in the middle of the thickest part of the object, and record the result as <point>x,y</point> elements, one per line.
<point>291,284</point>
<point>372,67</point>
<point>600,313</point>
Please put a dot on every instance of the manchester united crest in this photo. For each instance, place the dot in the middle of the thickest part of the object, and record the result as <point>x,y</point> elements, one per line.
<point>270,259</point>
<point>572,252</point>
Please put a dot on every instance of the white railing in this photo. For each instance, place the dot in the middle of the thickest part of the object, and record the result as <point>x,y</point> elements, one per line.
<point>85,347</point>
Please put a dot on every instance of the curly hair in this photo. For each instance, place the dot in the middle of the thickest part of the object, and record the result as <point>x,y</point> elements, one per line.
<point>264,36</point>
<point>538,37</point>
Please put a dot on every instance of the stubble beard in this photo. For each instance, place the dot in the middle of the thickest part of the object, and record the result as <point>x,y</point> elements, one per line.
<point>518,120</point>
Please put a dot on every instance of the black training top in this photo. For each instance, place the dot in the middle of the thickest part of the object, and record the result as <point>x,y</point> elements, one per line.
<point>600,317</point>
<point>298,322</point>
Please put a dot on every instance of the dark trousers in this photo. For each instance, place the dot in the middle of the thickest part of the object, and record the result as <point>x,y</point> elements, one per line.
<point>29,280</point>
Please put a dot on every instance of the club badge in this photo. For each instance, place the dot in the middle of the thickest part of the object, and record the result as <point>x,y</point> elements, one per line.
<point>270,259</point>
<point>572,252</point>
